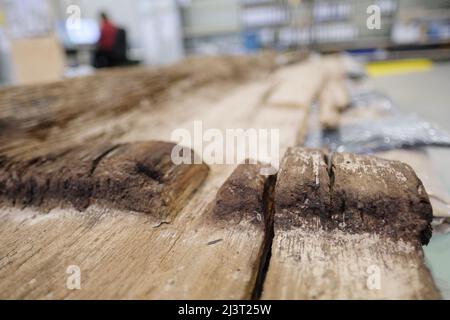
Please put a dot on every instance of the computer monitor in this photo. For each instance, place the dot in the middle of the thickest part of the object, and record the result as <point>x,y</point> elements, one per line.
<point>86,32</point>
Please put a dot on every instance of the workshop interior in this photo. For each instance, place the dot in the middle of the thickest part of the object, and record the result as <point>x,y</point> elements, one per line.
<point>224,150</point>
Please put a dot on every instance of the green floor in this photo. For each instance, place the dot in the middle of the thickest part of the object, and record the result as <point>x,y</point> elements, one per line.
<point>427,94</point>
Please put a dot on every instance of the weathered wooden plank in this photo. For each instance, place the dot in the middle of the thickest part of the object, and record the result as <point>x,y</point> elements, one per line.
<point>207,252</point>
<point>220,253</point>
<point>423,165</point>
<point>329,116</point>
<point>333,99</point>
<point>45,118</point>
<point>350,231</point>
<point>370,194</point>
<point>297,85</point>
<point>418,158</point>
<point>324,265</point>
<point>124,254</point>
<point>132,176</point>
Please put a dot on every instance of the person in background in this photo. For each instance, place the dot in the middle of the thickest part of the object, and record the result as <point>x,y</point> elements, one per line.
<point>105,51</point>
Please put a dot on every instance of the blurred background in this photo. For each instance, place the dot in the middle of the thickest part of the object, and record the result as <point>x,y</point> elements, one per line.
<point>46,40</point>
<point>63,35</point>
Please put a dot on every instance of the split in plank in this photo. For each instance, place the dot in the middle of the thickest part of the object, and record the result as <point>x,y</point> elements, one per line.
<point>339,224</point>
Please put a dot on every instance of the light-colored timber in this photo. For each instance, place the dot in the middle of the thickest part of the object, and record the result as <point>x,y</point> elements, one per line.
<point>197,250</point>
<point>124,254</point>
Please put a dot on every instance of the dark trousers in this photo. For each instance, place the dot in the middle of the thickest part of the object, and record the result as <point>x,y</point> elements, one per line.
<point>103,58</point>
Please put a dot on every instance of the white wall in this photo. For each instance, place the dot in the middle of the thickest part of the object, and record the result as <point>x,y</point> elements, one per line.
<point>161,31</point>
<point>212,16</point>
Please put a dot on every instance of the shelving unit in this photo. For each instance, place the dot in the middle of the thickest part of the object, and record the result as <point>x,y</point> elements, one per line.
<point>322,25</point>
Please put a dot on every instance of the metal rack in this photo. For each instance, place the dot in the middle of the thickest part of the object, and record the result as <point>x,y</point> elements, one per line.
<point>321,25</point>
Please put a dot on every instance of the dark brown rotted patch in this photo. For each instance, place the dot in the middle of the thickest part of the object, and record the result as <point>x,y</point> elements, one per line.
<point>370,194</point>
<point>46,180</point>
<point>356,194</point>
<point>145,178</point>
<point>133,176</point>
<point>246,194</point>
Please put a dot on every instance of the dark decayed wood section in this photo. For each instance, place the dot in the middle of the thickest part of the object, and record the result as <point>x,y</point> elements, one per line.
<point>246,194</point>
<point>348,227</point>
<point>222,252</point>
<point>86,180</point>
<point>100,122</point>
<point>133,176</point>
<point>32,110</point>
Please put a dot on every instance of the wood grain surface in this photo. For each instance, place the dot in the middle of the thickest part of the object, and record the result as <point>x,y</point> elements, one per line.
<point>137,226</point>
<point>348,227</point>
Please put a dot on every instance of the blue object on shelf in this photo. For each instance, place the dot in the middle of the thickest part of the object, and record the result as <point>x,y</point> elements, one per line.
<point>251,41</point>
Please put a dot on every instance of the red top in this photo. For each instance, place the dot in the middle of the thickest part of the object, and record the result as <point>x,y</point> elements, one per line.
<point>107,35</point>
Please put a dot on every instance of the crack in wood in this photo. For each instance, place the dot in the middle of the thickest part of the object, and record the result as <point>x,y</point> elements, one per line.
<point>377,215</point>
<point>268,200</point>
<point>352,193</point>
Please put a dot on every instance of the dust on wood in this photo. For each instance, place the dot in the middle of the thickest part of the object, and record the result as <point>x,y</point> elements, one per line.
<point>124,254</point>
<point>336,229</point>
<point>132,176</point>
